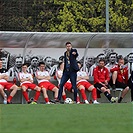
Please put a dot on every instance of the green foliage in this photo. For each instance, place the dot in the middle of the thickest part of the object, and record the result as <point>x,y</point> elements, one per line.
<point>65,15</point>
<point>121,17</point>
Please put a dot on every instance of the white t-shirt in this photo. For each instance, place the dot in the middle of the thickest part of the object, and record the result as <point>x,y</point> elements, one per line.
<point>42,73</point>
<point>60,73</point>
<point>25,75</point>
<point>3,80</point>
<point>81,74</point>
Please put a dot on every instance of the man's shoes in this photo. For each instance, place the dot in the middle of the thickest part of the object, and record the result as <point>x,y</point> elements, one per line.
<point>95,102</point>
<point>61,102</point>
<point>33,102</point>
<point>5,101</point>
<point>114,99</point>
<point>29,102</point>
<point>57,101</point>
<point>86,102</point>
<point>120,99</point>
<point>78,102</point>
<point>9,102</point>
<point>47,102</point>
<point>52,101</point>
<point>113,87</point>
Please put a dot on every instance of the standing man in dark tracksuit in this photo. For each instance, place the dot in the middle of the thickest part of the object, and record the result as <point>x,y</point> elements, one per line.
<point>70,70</point>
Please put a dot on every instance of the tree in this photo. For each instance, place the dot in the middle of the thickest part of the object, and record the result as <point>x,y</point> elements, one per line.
<point>65,15</point>
<point>121,17</point>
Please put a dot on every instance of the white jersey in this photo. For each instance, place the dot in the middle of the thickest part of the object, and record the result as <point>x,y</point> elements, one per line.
<point>3,80</point>
<point>25,75</point>
<point>60,73</point>
<point>81,74</point>
<point>42,73</point>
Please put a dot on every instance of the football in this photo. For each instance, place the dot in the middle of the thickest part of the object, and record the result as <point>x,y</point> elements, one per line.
<point>68,101</point>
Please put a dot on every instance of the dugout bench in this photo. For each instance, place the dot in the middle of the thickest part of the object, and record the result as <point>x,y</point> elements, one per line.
<point>19,99</point>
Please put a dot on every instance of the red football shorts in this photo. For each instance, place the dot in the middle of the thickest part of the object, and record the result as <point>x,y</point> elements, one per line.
<point>6,85</point>
<point>85,84</point>
<point>47,85</point>
<point>68,86</point>
<point>29,85</point>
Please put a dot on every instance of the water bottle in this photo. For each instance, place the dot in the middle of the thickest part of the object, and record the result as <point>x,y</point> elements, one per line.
<point>14,80</point>
<point>5,99</point>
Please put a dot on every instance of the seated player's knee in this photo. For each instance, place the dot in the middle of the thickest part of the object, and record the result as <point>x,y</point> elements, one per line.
<point>115,73</point>
<point>108,90</point>
<point>81,87</point>
<point>14,87</point>
<point>1,89</point>
<point>55,89</point>
<point>91,88</point>
<point>103,89</point>
<point>127,88</point>
<point>38,88</point>
<point>44,89</point>
<point>24,88</point>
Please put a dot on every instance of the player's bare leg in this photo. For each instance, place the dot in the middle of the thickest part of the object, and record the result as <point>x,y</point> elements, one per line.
<point>14,89</point>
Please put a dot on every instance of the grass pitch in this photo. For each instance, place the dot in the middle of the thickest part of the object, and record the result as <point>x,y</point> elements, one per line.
<point>64,118</point>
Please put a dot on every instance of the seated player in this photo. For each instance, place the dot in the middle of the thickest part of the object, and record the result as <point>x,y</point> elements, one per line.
<point>6,85</point>
<point>83,84</point>
<point>26,81</point>
<point>101,79</point>
<point>43,78</point>
<point>68,85</point>
<point>119,78</point>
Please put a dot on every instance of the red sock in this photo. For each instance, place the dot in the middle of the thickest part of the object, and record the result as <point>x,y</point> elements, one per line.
<point>82,91</point>
<point>37,96</point>
<point>25,94</point>
<point>9,99</point>
<point>78,99</point>
<point>94,94</point>
<point>46,99</point>
<point>64,97</point>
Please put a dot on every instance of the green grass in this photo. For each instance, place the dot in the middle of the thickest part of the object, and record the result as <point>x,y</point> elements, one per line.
<point>59,118</point>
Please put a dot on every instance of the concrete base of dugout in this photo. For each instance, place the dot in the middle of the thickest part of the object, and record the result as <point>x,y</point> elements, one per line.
<point>19,99</point>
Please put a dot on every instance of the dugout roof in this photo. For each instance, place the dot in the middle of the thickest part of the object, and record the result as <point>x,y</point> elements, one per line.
<point>57,40</point>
